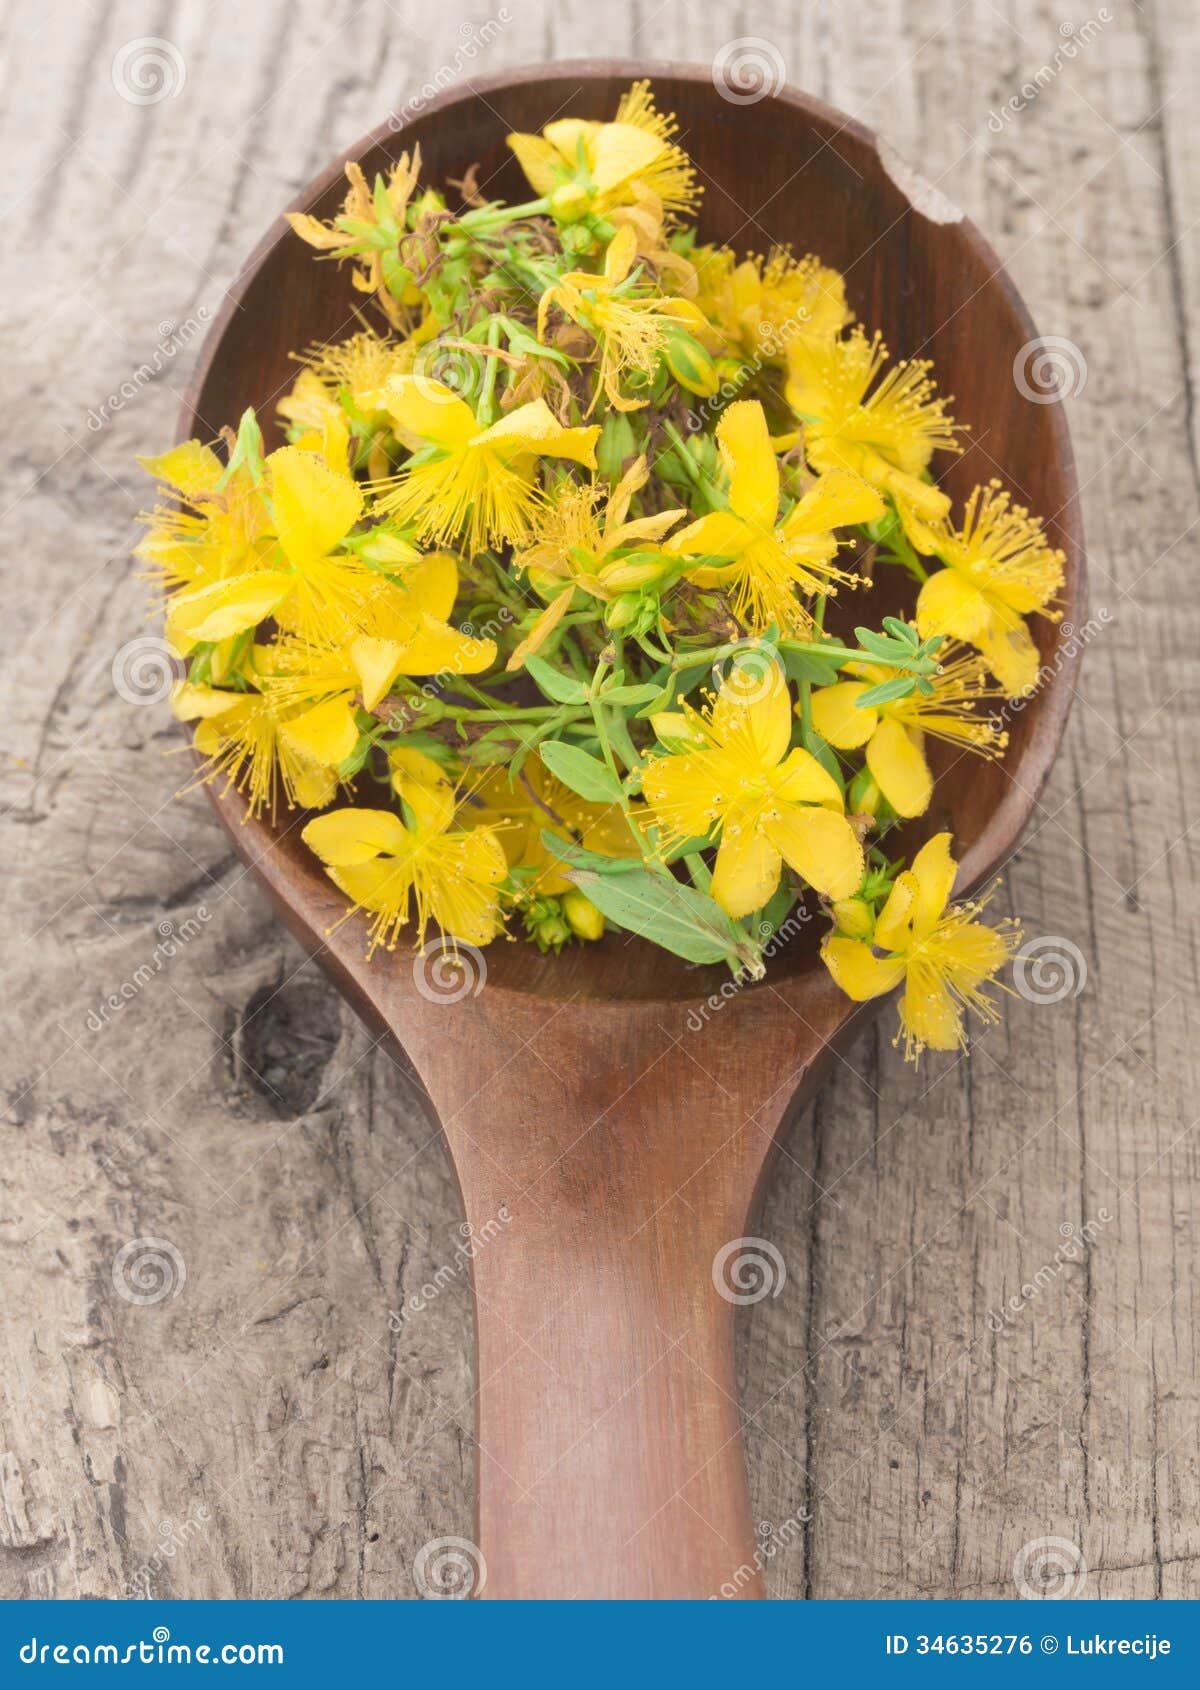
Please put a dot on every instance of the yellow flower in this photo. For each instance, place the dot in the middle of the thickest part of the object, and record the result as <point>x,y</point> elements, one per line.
<point>630,329</point>
<point>429,868</point>
<point>403,629</point>
<point>943,956</point>
<point>769,805</point>
<point>246,738</point>
<point>467,482</point>
<point>888,435</point>
<point>609,161</point>
<point>518,812</point>
<point>1000,569</point>
<point>367,229</point>
<point>218,532</point>
<point>313,408</point>
<point>760,305</point>
<point>573,544</point>
<point>314,507</point>
<point>771,562</point>
<point>894,732</point>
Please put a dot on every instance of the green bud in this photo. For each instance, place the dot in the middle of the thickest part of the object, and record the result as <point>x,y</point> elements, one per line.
<point>690,364</point>
<point>546,925</point>
<point>577,239</point>
<point>623,612</point>
<point>570,202</point>
<point>616,445</point>
<point>632,572</point>
<point>582,916</point>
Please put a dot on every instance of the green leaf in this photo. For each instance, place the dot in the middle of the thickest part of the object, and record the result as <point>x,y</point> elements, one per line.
<point>902,631</point>
<point>886,692</point>
<point>559,688</point>
<point>586,775</point>
<point>680,919</point>
<point>632,694</point>
<point>578,857</point>
<point>807,666</point>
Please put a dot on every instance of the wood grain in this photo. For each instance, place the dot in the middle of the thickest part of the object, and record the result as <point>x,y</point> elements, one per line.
<point>299,1426</point>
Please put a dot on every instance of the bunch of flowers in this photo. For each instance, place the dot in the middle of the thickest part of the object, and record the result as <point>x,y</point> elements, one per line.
<point>532,605</point>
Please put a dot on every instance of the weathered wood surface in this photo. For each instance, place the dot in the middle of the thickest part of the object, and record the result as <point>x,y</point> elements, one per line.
<point>291,1422</point>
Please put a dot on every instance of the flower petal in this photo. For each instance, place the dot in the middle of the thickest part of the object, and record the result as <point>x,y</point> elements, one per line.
<point>431,584</point>
<point>535,428</point>
<point>751,716</point>
<point>1011,655</point>
<point>190,467</point>
<point>436,647</point>
<point>747,871</point>
<point>719,534</point>
<point>228,607</point>
<point>821,847</point>
<point>930,1016</point>
<point>325,735</point>
<point>349,836</point>
<point>619,151</point>
<point>800,779</point>
<point>539,159</point>
<point>425,410</point>
<point>315,506</point>
<point>838,499</point>
<point>892,928</point>
<point>688,792</point>
<point>949,604</point>
<point>898,765</point>
<point>376,662</point>
<point>858,971</point>
<point>933,869</point>
<point>837,717</point>
<point>748,455</point>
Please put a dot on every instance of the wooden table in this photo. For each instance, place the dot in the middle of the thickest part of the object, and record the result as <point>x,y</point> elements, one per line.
<point>987,1335</point>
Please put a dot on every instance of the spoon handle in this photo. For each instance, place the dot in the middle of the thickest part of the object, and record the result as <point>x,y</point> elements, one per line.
<point>608,1161</point>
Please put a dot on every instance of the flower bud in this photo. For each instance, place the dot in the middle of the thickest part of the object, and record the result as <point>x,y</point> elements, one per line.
<point>583,918</point>
<point>690,364</point>
<point>639,571</point>
<point>676,731</point>
<point>864,797</point>
<point>855,917</point>
<point>546,924</point>
<point>621,612</point>
<point>617,443</point>
<point>570,202</point>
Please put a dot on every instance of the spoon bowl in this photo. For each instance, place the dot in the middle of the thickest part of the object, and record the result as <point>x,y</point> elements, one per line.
<point>611,1112</point>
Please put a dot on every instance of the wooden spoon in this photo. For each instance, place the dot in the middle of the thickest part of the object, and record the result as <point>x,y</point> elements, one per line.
<point>610,1112</point>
